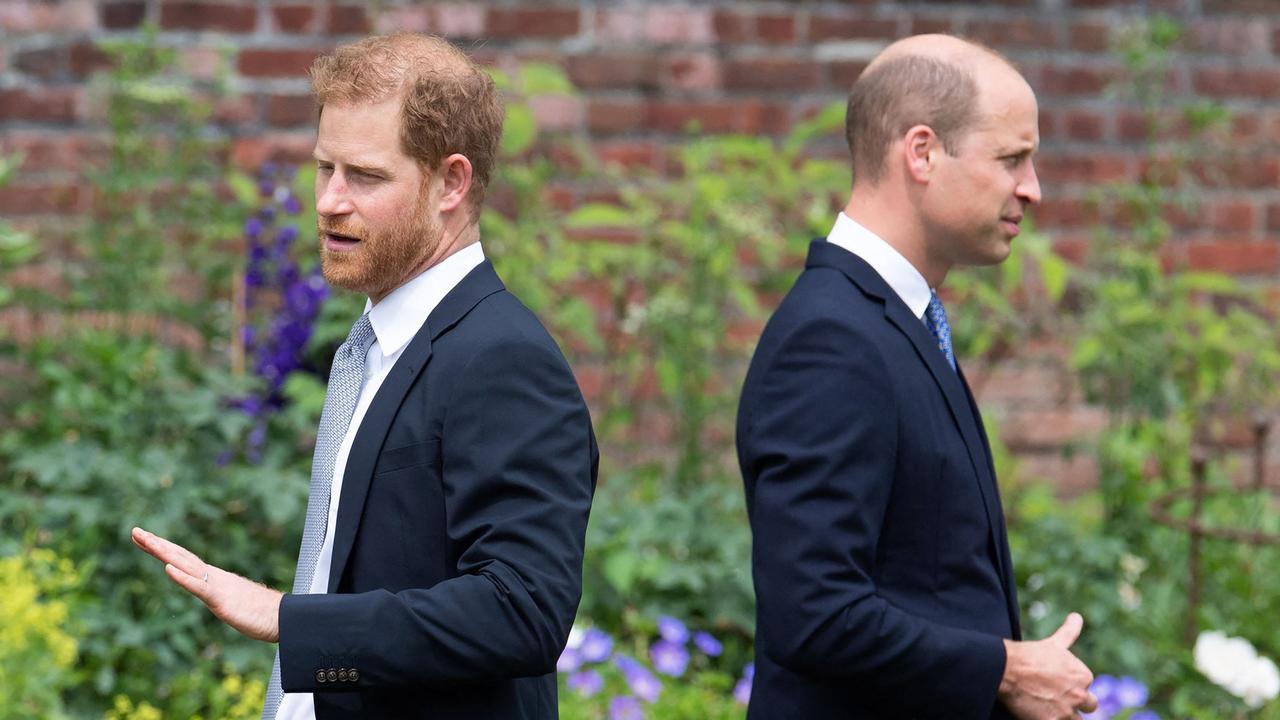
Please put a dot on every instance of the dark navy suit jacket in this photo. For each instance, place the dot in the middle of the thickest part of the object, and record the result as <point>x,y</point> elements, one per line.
<point>457,558</point>
<point>881,563</point>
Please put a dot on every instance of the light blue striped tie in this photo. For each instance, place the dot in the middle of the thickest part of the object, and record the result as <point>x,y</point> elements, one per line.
<point>345,382</point>
<point>935,316</point>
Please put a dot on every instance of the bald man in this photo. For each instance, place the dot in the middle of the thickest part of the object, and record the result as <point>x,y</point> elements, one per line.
<point>881,563</point>
<point>441,559</point>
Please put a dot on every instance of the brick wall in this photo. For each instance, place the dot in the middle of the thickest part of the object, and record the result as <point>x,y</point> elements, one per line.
<point>646,69</point>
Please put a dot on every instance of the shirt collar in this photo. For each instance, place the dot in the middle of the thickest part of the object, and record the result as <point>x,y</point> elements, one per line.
<point>888,263</point>
<point>398,317</point>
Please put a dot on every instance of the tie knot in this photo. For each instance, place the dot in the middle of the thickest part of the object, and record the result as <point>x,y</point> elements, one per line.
<point>361,336</point>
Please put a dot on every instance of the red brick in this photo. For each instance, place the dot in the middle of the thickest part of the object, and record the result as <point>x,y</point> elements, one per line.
<point>631,154</point>
<point>532,23</point>
<point>236,109</point>
<point>666,24</point>
<point>558,112</point>
<point>1097,168</point>
<point>842,27</point>
<point>733,27</point>
<point>1069,476</point>
<point>1237,216</point>
<point>207,16</point>
<point>770,74</point>
<point>1064,213</point>
<point>600,71</point>
<point>1055,80</point>
<point>1262,7</point>
<point>1235,257</point>
<point>286,110</point>
<point>1252,83</point>
<point>708,117</point>
<point>459,20</point>
<point>621,26</point>
<point>611,116</point>
<point>47,105</point>
<point>844,73</point>
<point>122,15</point>
<point>275,63</point>
<point>43,151</point>
<point>348,20</point>
<point>1273,218</point>
<point>921,25</point>
<point>1090,37</point>
<point>1016,33</point>
<point>692,72</point>
<point>776,29</point>
<point>37,16</point>
<point>1085,125</point>
<point>41,199</point>
<point>44,63</point>
<point>1053,428</point>
<point>1131,126</point>
<point>251,153</point>
<point>1230,36</point>
<point>85,58</point>
<point>294,18</point>
<point>1048,123</point>
<point>1257,172</point>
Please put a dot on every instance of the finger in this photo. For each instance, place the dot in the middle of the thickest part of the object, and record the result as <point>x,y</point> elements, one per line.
<point>1065,635</point>
<point>1089,704</point>
<point>169,552</point>
<point>194,585</point>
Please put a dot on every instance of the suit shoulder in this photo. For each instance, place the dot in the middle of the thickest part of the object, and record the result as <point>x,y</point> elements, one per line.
<point>502,323</point>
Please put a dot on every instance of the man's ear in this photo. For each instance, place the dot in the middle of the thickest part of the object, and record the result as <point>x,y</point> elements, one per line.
<point>920,147</point>
<point>455,177</point>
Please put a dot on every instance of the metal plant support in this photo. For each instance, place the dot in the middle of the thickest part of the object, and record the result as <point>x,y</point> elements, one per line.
<point>1199,531</point>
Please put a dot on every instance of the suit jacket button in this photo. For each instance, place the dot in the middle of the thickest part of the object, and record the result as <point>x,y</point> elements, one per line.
<point>333,675</point>
<point>353,675</point>
<point>320,676</point>
<point>342,674</point>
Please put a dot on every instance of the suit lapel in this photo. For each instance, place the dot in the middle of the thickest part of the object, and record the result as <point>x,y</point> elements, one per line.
<point>481,282</point>
<point>951,383</point>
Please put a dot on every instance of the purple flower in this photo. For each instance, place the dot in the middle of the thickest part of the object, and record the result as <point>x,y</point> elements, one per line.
<point>291,204</point>
<point>569,661</point>
<point>596,645</point>
<point>642,682</point>
<point>286,235</point>
<point>1144,715</point>
<point>624,707</point>
<point>1130,692</point>
<point>672,630</point>
<point>742,691</point>
<point>669,658</point>
<point>266,188</point>
<point>586,682</point>
<point>268,170</point>
<point>253,227</point>
<point>708,644</point>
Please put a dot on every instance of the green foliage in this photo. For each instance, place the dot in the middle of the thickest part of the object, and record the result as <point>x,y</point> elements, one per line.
<point>15,247</point>
<point>37,634</point>
<point>705,695</point>
<point>120,414</point>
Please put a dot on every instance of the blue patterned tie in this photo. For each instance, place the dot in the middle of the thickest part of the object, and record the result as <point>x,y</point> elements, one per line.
<point>935,316</point>
<point>345,382</point>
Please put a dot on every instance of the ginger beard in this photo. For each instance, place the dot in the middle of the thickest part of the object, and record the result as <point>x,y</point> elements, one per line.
<point>383,258</point>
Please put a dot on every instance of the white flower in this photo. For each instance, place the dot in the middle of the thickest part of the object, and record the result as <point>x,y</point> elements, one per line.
<point>1234,665</point>
<point>575,637</point>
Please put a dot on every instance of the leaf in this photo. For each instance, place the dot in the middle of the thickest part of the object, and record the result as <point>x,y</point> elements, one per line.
<point>243,187</point>
<point>620,570</point>
<point>519,131</point>
<point>600,215</point>
<point>544,79</point>
<point>1054,272</point>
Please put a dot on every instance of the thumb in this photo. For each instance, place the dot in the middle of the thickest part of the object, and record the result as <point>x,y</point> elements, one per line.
<point>1065,635</point>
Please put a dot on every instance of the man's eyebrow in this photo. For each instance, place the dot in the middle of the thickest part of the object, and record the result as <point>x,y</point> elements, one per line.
<point>365,169</point>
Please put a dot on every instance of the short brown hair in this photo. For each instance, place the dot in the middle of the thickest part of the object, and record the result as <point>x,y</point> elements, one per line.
<point>897,94</point>
<point>450,104</point>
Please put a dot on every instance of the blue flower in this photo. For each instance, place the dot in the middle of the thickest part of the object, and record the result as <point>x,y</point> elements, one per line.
<point>742,691</point>
<point>586,682</point>
<point>642,682</point>
<point>596,645</point>
<point>669,658</point>
<point>1130,692</point>
<point>291,204</point>
<point>569,661</point>
<point>1144,715</point>
<point>708,644</point>
<point>624,707</point>
<point>1116,694</point>
<point>672,630</point>
<point>253,227</point>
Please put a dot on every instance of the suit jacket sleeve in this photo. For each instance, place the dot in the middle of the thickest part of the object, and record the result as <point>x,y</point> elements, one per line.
<point>820,441</point>
<point>518,468</point>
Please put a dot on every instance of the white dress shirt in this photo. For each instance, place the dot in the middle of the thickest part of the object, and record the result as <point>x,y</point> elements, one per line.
<point>888,263</point>
<point>395,321</point>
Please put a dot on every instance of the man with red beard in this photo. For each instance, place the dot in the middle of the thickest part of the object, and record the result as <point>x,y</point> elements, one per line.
<point>441,558</point>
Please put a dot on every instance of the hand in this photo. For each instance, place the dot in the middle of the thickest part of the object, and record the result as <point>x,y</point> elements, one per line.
<point>1043,680</point>
<point>251,608</point>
